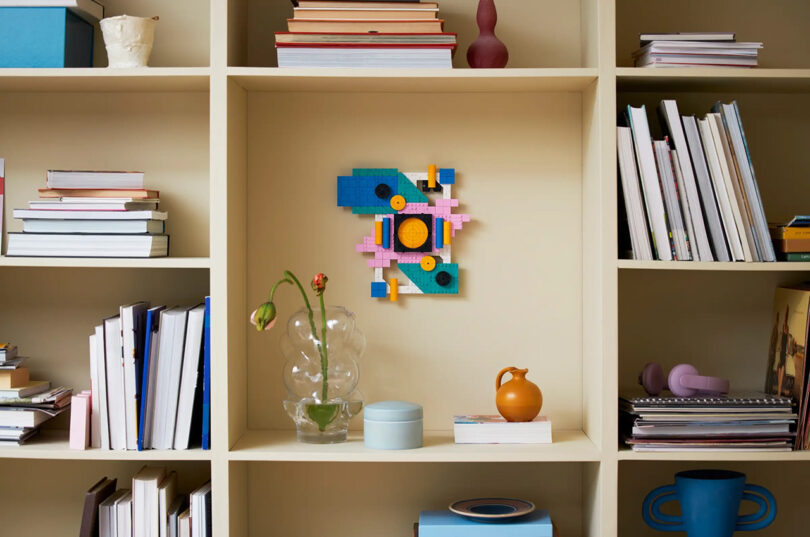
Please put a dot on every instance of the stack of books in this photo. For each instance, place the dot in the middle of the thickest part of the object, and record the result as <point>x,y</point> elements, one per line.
<point>152,507</point>
<point>750,422</point>
<point>693,195</point>
<point>711,49</point>
<point>150,376</point>
<point>365,34</point>
<point>92,214</point>
<point>25,404</point>
<point>490,429</point>
<point>792,240</point>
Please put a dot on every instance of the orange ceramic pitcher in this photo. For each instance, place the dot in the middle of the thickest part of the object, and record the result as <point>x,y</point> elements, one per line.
<point>519,399</point>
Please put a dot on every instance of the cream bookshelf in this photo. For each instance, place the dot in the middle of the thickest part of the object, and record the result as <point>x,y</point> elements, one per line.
<point>246,156</point>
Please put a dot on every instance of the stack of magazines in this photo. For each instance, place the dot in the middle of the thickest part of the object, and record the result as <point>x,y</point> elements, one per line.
<point>749,422</point>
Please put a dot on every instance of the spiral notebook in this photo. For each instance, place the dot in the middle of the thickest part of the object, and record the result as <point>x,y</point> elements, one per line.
<point>735,402</point>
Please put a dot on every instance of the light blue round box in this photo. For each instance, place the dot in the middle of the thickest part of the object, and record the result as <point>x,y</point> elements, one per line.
<point>393,425</point>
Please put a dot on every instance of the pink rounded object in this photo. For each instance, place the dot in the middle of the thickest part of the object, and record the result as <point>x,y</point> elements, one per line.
<point>652,378</point>
<point>487,51</point>
<point>675,380</point>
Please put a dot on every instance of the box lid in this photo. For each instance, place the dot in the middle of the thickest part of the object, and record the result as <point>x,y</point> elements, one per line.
<point>393,411</point>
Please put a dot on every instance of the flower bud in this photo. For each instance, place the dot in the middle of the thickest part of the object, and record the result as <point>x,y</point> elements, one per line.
<point>264,317</point>
<point>319,283</point>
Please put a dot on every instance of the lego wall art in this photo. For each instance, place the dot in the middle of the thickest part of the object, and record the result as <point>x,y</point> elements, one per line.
<point>414,228</point>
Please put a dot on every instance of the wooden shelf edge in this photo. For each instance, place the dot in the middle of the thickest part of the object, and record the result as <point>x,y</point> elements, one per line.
<point>85,262</point>
<point>718,456</point>
<point>53,445</point>
<point>98,79</point>
<point>628,264</point>
<point>408,80</point>
<point>568,446</point>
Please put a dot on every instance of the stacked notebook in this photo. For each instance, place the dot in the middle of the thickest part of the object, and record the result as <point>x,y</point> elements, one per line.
<point>365,34</point>
<point>448,524</point>
<point>151,508</point>
<point>151,378</point>
<point>92,214</point>
<point>692,196</point>
<point>710,49</point>
<point>488,429</point>
<point>792,240</point>
<point>751,422</point>
<point>25,404</point>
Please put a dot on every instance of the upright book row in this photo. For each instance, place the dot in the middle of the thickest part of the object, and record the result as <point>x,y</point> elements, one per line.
<point>150,371</point>
<point>692,196</point>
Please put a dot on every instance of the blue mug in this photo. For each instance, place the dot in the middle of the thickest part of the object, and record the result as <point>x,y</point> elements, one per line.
<point>710,503</point>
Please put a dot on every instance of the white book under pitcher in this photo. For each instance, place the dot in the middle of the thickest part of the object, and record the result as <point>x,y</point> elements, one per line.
<point>491,429</point>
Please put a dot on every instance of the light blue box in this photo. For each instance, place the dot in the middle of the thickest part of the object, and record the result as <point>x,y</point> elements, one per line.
<point>392,425</point>
<point>448,524</point>
<point>44,37</point>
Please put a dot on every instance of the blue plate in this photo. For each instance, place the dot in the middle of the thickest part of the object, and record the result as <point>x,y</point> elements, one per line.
<point>492,508</point>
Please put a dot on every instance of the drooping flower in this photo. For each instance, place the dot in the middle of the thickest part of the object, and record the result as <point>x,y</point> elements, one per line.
<point>264,317</point>
<point>319,283</point>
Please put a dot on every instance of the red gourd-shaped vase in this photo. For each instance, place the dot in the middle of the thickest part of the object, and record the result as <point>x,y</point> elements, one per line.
<point>487,51</point>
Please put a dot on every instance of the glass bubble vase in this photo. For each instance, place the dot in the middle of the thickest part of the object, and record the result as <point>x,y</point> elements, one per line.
<point>322,407</point>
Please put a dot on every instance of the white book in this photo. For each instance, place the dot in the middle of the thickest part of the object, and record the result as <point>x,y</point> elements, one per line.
<point>63,179</point>
<point>90,215</point>
<point>124,518</point>
<point>101,367</point>
<point>416,58</point>
<point>631,191</point>
<point>707,194</point>
<point>107,514</point>
<point>146,502</point>
<point>131,227</point>
<point>200,511</point>
<point>87,9</point>
<point>673,208</point>
<point>189,381</point>
<point>490,429</point>
<point>166,495</point>
<point>700,238</point>
<point>95,407</point>
<point>133,319</point>
<point>720,190</point>
<point>73,245</point>
<point>149,388</point>
<point>172,343</point>
<point>115,382</point>
<point>731,118</point>
<point>735,192</point>
<point>184,523</point>
<point>649,181</point>
<point>683,199</point>
<point>179,505</point>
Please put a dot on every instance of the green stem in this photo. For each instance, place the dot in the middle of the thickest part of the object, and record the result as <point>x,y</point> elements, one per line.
<point>325,353</point>
<point>322,343</point>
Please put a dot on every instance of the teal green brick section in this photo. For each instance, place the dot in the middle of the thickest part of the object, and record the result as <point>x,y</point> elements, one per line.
<point>409,191</point>
<point>373,210</point>
<point>426,281</point>
<point>380,172</point>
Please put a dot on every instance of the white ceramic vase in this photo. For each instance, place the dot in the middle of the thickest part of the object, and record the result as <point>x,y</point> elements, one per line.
<point>128,40</point>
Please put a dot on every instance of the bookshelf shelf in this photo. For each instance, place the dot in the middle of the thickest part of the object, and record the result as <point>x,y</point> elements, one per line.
<point>713,80</point>
<point>53,444</point>
<point>412,80</point>
<point>629,264</point>
<point>708,456</point>
<point>568,446</point>
<point>156,263</point>
<point>101,79</point>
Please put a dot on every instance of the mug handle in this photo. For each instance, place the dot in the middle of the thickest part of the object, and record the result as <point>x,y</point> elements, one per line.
<point>767,509</point>
<point>651,510</point>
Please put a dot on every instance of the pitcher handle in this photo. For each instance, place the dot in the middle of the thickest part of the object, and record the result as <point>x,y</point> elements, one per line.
<point>651,510</point>
<point>504,371</point>
<point>766,513</point>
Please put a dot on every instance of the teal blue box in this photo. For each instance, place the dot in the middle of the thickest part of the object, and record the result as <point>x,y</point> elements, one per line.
<point>44,37</point>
